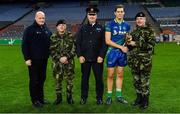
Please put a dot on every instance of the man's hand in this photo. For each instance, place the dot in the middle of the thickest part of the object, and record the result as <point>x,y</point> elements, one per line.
<point>28,62</point>
<point>99,59</point>
<point>63,60</point>
<point>81,59</point>
<point>128,37</point>
<point>132,43</point>
<point>124,49</point>
<point>66,62</point>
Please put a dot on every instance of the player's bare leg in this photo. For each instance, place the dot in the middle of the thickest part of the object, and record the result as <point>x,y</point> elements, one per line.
<point>119,82</point>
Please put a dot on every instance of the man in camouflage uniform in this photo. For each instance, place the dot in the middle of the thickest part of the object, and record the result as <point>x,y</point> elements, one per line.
<point>62,51</point>
<point>140,59</point>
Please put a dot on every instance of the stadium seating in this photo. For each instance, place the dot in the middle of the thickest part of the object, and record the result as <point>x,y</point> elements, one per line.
<point>12,12</point>
<point>167,17</point>
<point>165,12</point>
<point>74,13</point>
<point>106,12</point>
<point>13,31</point>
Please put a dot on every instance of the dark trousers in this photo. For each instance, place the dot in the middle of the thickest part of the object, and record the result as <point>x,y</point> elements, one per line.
<point>37,76</point>
<point>98,74</point>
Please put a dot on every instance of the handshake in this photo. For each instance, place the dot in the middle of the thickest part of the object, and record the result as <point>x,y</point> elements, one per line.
<point>128,40</point>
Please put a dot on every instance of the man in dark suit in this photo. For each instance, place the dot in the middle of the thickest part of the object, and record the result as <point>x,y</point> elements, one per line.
<point>91,50</point>
<point>35,49</point>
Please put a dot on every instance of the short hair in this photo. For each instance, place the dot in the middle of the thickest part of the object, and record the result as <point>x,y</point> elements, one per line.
<point>39,12</point>
<point>118,6</point>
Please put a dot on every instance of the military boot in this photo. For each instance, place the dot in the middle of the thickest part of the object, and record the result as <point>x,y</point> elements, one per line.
<point>137,100</point>
<point>145,102</point>
<point>58,99</point>
<point>70,99</point>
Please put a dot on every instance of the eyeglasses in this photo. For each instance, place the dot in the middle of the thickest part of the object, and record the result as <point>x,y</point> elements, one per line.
<point>92,14</point>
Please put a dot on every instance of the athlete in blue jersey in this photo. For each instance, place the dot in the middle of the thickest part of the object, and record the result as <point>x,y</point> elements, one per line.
<point>116,55</point>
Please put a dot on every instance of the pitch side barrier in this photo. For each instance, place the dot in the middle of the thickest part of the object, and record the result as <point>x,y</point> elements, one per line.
<point>10,41</point>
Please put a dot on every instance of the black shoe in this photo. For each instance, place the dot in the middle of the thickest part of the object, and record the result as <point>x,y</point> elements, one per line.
<point>145,103</point>
<point>70,99</point>
<point>138,100</point>
<point>143,107</point>
<point>121,100</point>
<point>58,99</point>
<point>109,101</point>
<point>37,104</point>
<point>99,102</point>
<point>83,101</point>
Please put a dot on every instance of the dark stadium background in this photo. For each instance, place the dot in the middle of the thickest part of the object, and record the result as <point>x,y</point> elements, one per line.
<point>16,15</point>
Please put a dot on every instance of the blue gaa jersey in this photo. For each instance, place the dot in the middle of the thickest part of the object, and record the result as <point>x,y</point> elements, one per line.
<point>115,57</point>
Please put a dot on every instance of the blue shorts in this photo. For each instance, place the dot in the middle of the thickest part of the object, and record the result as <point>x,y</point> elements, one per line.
<point>116,57</point>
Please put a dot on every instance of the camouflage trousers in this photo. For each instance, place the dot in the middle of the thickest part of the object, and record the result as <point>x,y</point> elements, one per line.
<point>141,67</point>
<point>63,72</point>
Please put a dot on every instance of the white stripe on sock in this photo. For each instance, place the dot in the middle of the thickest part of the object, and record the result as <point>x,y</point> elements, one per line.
<point>117,89</point>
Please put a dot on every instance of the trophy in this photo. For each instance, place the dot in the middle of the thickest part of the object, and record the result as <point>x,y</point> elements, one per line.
<point>128,39</point>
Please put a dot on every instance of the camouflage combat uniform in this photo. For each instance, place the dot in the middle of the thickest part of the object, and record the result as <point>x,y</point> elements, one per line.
<point>63,46</point>
<point>140,59</point>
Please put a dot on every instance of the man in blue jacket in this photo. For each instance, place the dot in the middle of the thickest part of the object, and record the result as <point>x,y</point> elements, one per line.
<point>35,49</point>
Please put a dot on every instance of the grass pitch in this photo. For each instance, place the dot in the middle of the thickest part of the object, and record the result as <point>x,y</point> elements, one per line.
<point>164,85</point>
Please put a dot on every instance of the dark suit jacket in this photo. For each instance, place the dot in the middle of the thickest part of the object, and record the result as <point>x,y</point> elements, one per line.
<point>90,42</point>
<point>35,42</point>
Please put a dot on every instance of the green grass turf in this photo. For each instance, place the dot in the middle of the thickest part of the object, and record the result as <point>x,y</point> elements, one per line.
<point>164,84</point>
